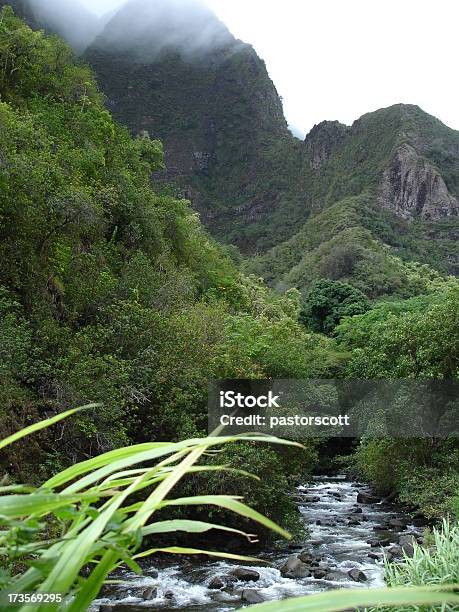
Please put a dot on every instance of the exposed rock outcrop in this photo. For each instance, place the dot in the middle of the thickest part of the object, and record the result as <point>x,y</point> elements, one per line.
<point>413,187</point>
<point>323,140</point>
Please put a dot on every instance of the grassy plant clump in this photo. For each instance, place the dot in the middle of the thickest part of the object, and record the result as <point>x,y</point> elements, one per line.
<point>435,564</point>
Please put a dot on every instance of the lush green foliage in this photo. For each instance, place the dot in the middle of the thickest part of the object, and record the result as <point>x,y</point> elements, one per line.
<point>417,338</point>
<point>424,473</point>
<point>430,565</point>
<point>327,302</point>
<point>111,291</point>
<point>358,242</point>
<point>89,516</point>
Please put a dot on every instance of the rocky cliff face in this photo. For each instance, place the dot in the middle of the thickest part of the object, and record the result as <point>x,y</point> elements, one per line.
<point>208,97</point>
<point>323,140</point>
<point>413,187</point>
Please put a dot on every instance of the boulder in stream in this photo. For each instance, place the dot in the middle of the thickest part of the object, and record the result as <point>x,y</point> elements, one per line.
<point>149,593</point>
<point>363,497</point>
<point>319,573</point>
<point>245,575</point>
<point>394,552</point>
<point>406,543</point>
<point>375,556</point>
<point>357,575</point>
<point>294,568</point>
<point>306,557</point>
<point>217,582</point>
<point>251,596</point>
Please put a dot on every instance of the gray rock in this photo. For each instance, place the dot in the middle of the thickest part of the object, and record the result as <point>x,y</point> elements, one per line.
<point>374,555</point>
<point>357,575</point>
<point>406,539</point>
<point>169,595</point>
<point>357,511</point>
<point>245,575</point>
<point>367,498</point>
<point>311,499</point>
<point>413,187</point>
<point>217,582</point>
<point>380,542</point>
<point>319,573</point>
<point>395,551</point>
<point>305,557</point>
<point>294,568</point>
<point>406,543</point>
<point>150,593</point>
<point>251,596</point>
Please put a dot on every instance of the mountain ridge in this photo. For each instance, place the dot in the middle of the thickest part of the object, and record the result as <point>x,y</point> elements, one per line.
<point>229,151</point>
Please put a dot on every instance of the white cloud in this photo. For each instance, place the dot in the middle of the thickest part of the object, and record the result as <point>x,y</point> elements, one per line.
<point>103,6</point>
<point>338,59</point>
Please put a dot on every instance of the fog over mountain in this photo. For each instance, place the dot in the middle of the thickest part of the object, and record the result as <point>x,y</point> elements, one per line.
<point>70,19</point>
<point>187,26</point>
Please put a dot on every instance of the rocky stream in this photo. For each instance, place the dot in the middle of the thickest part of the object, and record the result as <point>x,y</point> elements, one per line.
<point>349,530</point>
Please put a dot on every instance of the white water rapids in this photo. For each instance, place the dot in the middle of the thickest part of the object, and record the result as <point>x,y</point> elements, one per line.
<point>339,546</point>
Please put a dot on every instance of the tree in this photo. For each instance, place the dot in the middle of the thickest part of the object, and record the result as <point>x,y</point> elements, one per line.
<point>328,301</point>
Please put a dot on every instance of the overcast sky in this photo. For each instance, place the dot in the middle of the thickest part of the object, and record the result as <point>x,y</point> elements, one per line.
<point>338,59</point>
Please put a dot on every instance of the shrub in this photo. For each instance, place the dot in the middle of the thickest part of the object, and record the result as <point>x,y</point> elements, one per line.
<point>438,564</point>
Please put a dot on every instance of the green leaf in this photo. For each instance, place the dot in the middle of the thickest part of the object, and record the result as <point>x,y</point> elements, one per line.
<point>42,425</point>
<point>229,503</point>
<point>188,526</point>
<point>89,465</point>
<point>341,599</point>
<point>178,550</point>
<point>16,506</point>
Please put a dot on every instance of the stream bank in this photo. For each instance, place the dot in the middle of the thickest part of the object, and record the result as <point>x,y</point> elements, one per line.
<point>349,529</point>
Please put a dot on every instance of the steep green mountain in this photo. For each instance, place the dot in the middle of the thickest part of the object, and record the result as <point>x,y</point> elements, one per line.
<point>390,181</point>
<point>212,104</point>
<point>382,193</point>
<point>355,203</point>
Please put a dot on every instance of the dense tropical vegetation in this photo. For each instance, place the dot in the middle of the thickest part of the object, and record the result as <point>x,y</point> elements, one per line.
<point>112,292</point>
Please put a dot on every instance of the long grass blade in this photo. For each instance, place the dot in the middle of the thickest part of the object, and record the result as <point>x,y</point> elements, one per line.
<point>43,425</point>
<point>229,503</point>
<point>342,599</point>
<point>179,550</point>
